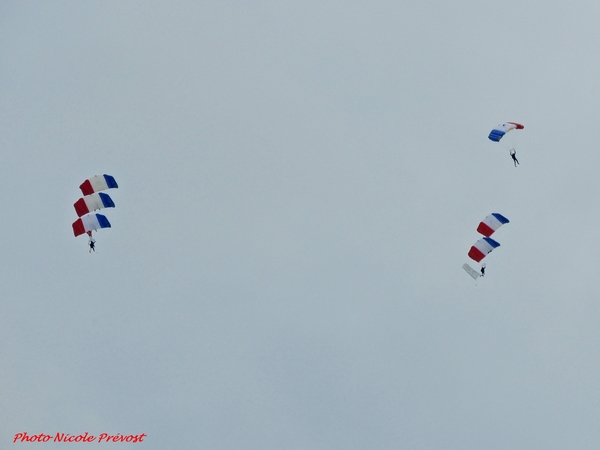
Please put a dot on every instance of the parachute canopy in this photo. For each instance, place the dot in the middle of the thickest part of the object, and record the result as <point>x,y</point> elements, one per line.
<point>481,248</point>
<point>498,133</point>
<point>91,222</point>
<point>474,274</point>
<point>98,183</point>
<point>491,223</point>
<point>89,203</point>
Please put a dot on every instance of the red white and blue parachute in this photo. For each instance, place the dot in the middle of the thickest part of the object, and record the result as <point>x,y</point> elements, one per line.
<point>92,201</point>
<point>485,245</point>
<point>98,183</point>
<point>89,223</point>
<point>89,203</point>
<point>491,223</point>
<point>498,133</point>
<point>481,248</point>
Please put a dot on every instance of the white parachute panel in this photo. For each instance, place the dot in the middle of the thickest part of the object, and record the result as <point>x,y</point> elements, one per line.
<point>471,271</point>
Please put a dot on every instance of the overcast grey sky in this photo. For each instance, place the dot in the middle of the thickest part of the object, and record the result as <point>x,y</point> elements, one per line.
<point>299,184</point>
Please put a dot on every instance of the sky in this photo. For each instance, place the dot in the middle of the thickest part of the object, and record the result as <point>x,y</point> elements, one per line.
<point>299,185</point>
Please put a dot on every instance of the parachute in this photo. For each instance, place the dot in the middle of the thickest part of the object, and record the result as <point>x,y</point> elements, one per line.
<point>93,200</point>
<point>89,223</point>
<point>98,183</point>
<point>485,245</point>
<point>482,248</point>
<point>89,203</point>
<point>491,223</point>
<point>498,133</point>
<point>474,274</point>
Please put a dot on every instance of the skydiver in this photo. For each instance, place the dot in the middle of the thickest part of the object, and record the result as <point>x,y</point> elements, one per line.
<point>92,244</point>
<point>513,153</point>
<point>483,270</point>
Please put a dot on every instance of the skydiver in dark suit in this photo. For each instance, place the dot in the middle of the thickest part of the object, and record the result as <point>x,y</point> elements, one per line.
<point>513,153</point>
